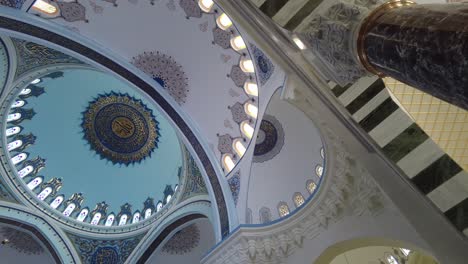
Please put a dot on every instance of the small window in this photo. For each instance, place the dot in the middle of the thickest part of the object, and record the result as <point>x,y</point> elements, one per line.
<point>298,199</point>
<point>123,220</point>
<point>36,81</point>
<point>283,209</point>
<point>239,147</point>
<point>247,66</point>
<point>322,153</point>
<point>311,186</point>
<point>46,192</point>
<point>96,218</point>
<point>136,218</point>
<point>57,201</point>
<point>81,217</point>
<point>148,213</point>
<point>12,131</point>
<point>237,43</point>
<point>405,251</point>
<point>319,170</point>
<point>251,109</point>
<point>110,220</point>
<point>223,21</point>
<point>44,7</point>
<point>205,5</point>
<point>19,158</point>
<point>25,171</point>
<point>159,206</point>
<point>392,260</point>
<point>34,183</point>
<point>228,162</point>
<point>265,215</point>
<point>251,88</point>
<point>69,210</point>
<point>247,129</point>
<point>176,187</point>
<point>18,103</point>
<point>14,145</point>
<point>13,117</point>
<point>25,91</point>
<point>168,199</point>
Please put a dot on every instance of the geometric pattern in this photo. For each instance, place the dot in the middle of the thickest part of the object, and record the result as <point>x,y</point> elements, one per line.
<point>183,241</point>
<point>270,139</point>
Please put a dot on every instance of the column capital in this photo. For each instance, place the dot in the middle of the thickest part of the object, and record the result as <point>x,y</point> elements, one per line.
<point>332,36</point>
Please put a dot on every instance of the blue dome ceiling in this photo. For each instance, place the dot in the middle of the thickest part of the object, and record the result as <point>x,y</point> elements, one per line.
<point>61,140</point>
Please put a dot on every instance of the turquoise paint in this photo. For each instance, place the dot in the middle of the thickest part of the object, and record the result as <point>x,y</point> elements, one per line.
<point>57,126</point>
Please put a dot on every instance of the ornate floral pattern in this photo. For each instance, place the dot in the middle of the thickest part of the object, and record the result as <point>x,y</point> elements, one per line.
<point>12,3</point>
<point>21,241</point>
<point>265,67</point>
<point>238,76</point>
<point>166,71</point>
<point>195,184</point>
<point>234,185</point>
<point>191,8</point>
<point>183,241</point>
<point>72,11</point>
<point>238,113</point>
<point>222,38</point>
<point>225,144</point>
<point>270,139</point>
<point>120,128</point>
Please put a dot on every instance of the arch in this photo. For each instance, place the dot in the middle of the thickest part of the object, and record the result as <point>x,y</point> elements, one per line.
<point>298,199</point>
<point>283,209</point>
<point>265,215</point>
<point>20,24</point>
<point>344,246</point>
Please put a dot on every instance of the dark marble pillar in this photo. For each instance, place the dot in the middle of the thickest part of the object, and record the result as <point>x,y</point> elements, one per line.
<point>425,46</point>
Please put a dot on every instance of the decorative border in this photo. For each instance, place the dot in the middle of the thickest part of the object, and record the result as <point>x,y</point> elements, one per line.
<point>46,35</point>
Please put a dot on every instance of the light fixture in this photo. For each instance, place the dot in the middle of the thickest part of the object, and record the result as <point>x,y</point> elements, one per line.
<point>299,43</point>
<point>44,7</point>
<point>251,109</point>
<point>247,65</point>
<point>247,129</point>
<point>223,21</point>
<point>239,147</point>
<point>36,81</point>
<point>206,5</point>
<point>237,43</point>
<point>228,162</point>
<point>251,88</point>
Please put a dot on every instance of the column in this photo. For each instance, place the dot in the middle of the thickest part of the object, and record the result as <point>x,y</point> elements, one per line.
<point>425,46</point>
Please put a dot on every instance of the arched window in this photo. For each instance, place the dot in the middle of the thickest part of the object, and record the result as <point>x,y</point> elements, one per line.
<point>239,147</point>
<point>247,129</point>
<point>319,170</point>
<point>96,218</point>
<point>251,88</point>
<point>159,206</point>
<point>18,103</point>
<point>223,21</point>
<point>248,216</point>
<point>206,5</point>
<point>12,131</point>
<point>136,217</point>
<point>283,209</point>
<point>322,152</point>
<point>25,171</point>
<point>14,145</point>
<point>46,192</point>
<point>311,186</point>
<point>392,260</point>
<point>25,91</point>
<point>148,213</point>
<point>123,220</point>
<point>44,7</point>
<point>57,201</point>
<point>81,217</point>
<point>405,251</point>
<point>13,117</point>
<point>110,220</point>
<point>265,215</point>
<point>247,66</point>
<point>19,158</point>
<point>168,199</point>
<point>36,81</point>
<point>34,183</point>
<point>298,199</point>
<point>176,187</point>
<point>237,43</point>
<point>69,210</point>
<point>228,162</point>
<point>251,109</point>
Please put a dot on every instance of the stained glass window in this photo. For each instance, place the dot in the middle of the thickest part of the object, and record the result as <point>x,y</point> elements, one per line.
<point>25,171</point>
<point>81,217</point>
<point>14,145</point>
<point>19,158</point>
<point>159,207</point>
<point>110,220</point>
<point>298,199</point>
<point>147,213</point>
<point>311,186</point>
<point>283,209</point>
<point>13,117</point>
<point>69,210</point>
<point>123,220</point>
<point>12,131</point>
<point>96,218</point>
<point>136,218</point>
<point>46,192</point>
<point>57,201</point>
<point>34,183</point>
<point>17,103</point>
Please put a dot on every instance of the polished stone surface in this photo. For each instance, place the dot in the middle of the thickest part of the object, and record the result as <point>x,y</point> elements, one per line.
<point>425,46</point>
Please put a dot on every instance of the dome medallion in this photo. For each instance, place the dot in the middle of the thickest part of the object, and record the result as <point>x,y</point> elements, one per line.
<point>120,128</point>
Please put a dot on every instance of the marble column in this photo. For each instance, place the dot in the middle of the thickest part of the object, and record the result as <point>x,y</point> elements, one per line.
<point>425,46</point>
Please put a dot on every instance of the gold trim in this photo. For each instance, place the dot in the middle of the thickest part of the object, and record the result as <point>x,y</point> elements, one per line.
<point>368,23</point>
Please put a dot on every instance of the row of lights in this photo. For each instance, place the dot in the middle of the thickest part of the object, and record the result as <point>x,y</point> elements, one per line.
<point>250,88</point>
